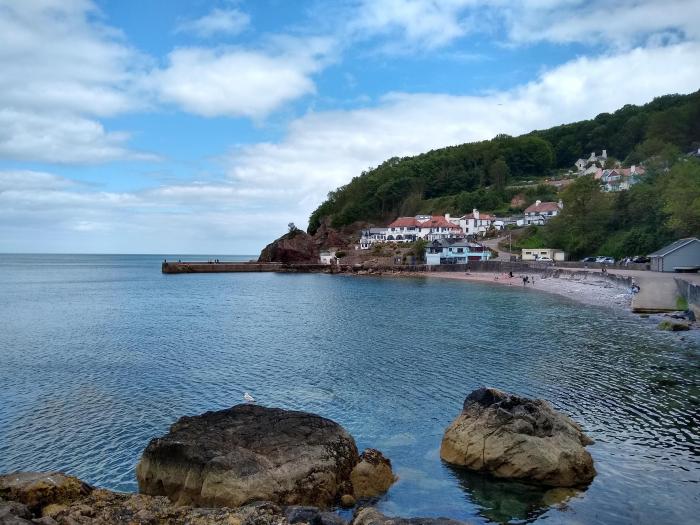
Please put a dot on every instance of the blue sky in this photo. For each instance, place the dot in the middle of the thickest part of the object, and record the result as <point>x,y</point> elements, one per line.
<point>205,127</point>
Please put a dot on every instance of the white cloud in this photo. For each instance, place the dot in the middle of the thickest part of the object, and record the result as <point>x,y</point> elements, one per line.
<point>240,82</point>
<point>61,68</point>
<point>217,22</point>
<point>430,24</point>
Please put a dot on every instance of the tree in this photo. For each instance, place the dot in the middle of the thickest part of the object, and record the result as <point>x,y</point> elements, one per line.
<point>681,198</point>
<point>499,173</point>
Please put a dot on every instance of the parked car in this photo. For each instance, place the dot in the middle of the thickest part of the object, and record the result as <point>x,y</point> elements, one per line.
<point>640,259</point>
<point>588,259</point>
<point>606,260</point>
<point>545,259</point>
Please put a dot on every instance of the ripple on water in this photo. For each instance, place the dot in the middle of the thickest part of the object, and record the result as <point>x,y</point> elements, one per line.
<point>100,354</point>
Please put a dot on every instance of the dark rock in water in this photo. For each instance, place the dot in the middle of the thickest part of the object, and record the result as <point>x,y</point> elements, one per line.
<point>518,438</point>
<point>371,516</point>
<point>294,247</point>
<point>249,453</point>
<point>671,326</point>
<point>39,489</point>
<point>312,516</point>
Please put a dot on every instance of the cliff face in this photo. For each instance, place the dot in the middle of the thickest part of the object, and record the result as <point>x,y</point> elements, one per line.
<point>298,246</point>
<point>294,247</point>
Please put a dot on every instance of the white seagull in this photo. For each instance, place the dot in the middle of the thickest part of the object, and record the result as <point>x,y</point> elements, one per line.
<point>248,398</point>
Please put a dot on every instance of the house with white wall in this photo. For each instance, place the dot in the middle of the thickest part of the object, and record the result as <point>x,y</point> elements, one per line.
<point>541,212</point>
<point>476,223</point>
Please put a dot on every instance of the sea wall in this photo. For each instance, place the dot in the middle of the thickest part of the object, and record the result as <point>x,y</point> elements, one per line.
<point>691,293</point>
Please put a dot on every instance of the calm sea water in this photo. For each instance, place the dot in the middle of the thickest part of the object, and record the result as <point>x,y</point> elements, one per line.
<point>98,354</point>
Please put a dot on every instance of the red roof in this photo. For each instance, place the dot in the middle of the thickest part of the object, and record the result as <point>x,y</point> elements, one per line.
<point>404,222</point>
<point>542,207</point>
<point>436,221</point>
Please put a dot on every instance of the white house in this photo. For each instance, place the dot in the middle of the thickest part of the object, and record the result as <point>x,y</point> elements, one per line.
<point>476,223</point>
<point>582,164</point>
<point>371,236</point>
<point>327,257</point>
<point>429,227</point>
<point>540,212</point>
<point>535,254</point>
<point>619,179</point>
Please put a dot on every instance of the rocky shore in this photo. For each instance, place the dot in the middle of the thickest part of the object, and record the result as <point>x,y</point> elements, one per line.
<point>253,465</point>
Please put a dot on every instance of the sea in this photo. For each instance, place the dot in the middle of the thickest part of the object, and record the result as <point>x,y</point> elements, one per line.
<point>101,353</point>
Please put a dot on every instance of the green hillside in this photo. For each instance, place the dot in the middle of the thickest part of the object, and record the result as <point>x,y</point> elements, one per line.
<point>488,174</point>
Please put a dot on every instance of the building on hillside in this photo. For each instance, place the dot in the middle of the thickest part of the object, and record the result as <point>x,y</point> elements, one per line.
<point>536,254</point>
<point>327,257</point>
<point>540,212</point>
<point>460,252</point>
<point>370,236</point>
<point>583,164</point>
<point>684,254</point>
<point>429,227</point>
<point>477,223</point>
<point>619,179</point>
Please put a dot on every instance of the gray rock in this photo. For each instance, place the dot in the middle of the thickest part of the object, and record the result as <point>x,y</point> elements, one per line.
<point>14,513</point>
<point>249,453</point>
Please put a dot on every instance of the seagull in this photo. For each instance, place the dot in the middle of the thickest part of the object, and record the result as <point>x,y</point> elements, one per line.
<point>248,398</point>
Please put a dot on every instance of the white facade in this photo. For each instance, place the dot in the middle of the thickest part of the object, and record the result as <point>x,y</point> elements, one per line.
<point>535,254</point>
<point>327,257</point>
<point>541,212</point>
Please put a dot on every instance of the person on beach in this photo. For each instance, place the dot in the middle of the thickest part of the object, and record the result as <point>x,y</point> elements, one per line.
<point>525,279</point>
<point>533,280</point>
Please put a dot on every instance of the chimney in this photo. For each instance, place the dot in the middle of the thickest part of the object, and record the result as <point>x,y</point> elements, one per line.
<point>605,154</point>
<point>447,217</point>
<point>560,204</point>
<point>475,212</point>
<point>633,169</point>
<point>537,203</point>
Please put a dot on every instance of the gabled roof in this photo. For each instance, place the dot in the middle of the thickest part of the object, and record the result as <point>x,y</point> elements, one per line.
<point>482,217</point>
<point>404,222</point>
<point>673,247</point>
<point>438,221</point>
<point>542,207</point>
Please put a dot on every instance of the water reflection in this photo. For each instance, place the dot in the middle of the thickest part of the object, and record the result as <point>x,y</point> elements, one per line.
<point>504,501</point>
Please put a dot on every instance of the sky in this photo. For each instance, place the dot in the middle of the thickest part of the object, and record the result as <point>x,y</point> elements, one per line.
<point>164,126</point>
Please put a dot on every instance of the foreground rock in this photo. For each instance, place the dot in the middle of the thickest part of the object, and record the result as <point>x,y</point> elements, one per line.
<point>104,507</point>
<point>371,516</point>
<point>518,438</point>
<point>249,453</point>
<point>38,489</point>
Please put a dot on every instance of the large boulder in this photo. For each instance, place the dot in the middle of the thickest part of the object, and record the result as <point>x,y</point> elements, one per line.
<point>40,489</point>
<point>518,438</point>
<point>296,246</point>
<point>249,453</point>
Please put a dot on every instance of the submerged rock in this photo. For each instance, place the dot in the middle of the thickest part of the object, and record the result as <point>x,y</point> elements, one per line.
<point>248,453</point>
<point>518,438</point>
<point>371,516</point>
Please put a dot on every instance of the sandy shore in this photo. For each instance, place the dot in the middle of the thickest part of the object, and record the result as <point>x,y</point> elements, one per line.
<point>591,290</point>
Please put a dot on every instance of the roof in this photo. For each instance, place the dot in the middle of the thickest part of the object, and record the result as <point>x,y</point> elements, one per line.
<point>404,222</point>
<point>542,207</point>
<point>436,221</point>
<point>482,217</point>
<point>680,243</point>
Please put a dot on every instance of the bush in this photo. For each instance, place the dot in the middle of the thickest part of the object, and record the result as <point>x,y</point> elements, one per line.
<point>340,255</point>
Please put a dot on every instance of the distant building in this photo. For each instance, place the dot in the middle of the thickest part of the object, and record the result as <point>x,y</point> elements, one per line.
<point>460,252</point>
<point>477,223</point>
<point>535,254</point>
<point>370,236</point>
<point>327,257</point>
<point>540,212</point>
<point>619,179</point>
<point>583,164</point>
<point>429,227</point>
<point>684,253</point>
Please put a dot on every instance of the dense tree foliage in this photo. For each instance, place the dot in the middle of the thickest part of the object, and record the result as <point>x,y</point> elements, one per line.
<point>663,207</point>
<point>486,175</point>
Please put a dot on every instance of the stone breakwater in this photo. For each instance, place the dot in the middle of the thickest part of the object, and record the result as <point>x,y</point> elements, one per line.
<point>252,465</point>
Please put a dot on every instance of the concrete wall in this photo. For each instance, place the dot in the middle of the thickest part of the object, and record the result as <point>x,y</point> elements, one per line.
<point>691,293</point>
